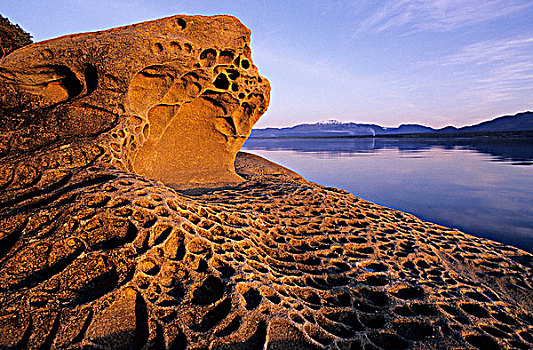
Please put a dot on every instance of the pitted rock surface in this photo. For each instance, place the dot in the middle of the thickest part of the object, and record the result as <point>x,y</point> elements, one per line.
<point>172,99</point>
<point>94,255</point>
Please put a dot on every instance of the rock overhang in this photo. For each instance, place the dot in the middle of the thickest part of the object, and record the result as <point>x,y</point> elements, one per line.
<point>172,99</point>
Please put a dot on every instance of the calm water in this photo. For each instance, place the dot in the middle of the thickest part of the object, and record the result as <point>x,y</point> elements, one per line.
<point>480,186</point>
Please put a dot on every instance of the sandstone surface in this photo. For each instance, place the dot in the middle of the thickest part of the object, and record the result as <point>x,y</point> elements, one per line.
<point>97,251</point>
<point>173,99</point>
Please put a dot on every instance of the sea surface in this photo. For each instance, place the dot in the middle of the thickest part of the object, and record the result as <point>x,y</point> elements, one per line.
<point>481,186</point>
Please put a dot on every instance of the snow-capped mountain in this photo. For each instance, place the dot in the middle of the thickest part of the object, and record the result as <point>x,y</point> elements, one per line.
<point>334,128</point>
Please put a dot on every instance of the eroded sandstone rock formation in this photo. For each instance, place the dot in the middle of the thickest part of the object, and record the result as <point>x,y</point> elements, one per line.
<point>173,99</point>
<point>96,256</point>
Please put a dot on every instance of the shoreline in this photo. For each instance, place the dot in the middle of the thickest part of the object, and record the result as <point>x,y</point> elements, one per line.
<point>496,135</point>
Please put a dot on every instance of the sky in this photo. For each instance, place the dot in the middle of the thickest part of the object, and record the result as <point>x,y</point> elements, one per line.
<point>388,62</point>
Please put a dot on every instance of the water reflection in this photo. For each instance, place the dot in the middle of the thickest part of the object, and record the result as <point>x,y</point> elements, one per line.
<point>469,184</point>
<point>518,151</point>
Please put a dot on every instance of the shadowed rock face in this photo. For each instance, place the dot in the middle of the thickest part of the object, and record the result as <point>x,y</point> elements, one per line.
<point>172,99</point>
<point>95,256</point>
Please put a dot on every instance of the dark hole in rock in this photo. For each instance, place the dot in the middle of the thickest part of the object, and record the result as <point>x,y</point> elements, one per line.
<point>214,316</point>
<point>388,341</point>
<point>253,299</point>
<point>372,320</point>
<point>360,240</point>
<point>226,56</point>
<point>462,319</point>
<point>376,298</point>
<point>208,57</point>
<point>409,265</point>
<point>495,332</point>
<point>343,267</point>
<point>422,264</point>
<point>526,336</point>
<point>230,328</point>
<point>182,23</point>
<point>226,271</point>
<point>175,45</point>
<point>308,316</point>
<point>365,250</point>
<point>409,293</point>
<point>234,87</point>
<point>519,345</point>
<point>232,74</point>
<point>403,311</point>
<point>296,318</point>
<point>474,310</point>
<point>449,309</point>
<point>503,327</point>
<point>211,290</point>
<point>375,267</point>
<point>245,64</point>
<point>365,307</point>
<point>342,299</point>
<point>413,330</point>
<point>221,82</point>
<point>477,296</point>
<point>335,329</point>
<point>274,299</point>
<point>500,316</point>
<point>318,334</point>
<point>311,298</point>
<point>424,309</point>
<point>91,78</point>
<point>208,53</point>
<point>482,342</point>
<point>376,280</point>
<point>70,81</point>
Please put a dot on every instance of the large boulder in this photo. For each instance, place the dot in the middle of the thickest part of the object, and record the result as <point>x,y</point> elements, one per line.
<point>172,99</point>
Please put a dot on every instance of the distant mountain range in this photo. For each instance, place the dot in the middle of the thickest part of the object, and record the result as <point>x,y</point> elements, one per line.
<point>334,128</point>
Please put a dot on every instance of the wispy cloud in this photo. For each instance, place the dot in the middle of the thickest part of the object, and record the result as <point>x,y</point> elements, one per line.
<point>515,50</point>
<point>507,66</point>
<point>433,15</point>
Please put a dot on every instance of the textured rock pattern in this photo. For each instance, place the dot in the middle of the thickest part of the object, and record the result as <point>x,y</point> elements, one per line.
<point>95,256</point>
<point>115,260</point>
<point>182,89</point>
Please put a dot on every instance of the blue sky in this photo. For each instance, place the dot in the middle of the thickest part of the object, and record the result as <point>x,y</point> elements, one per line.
<point>438,63</point>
